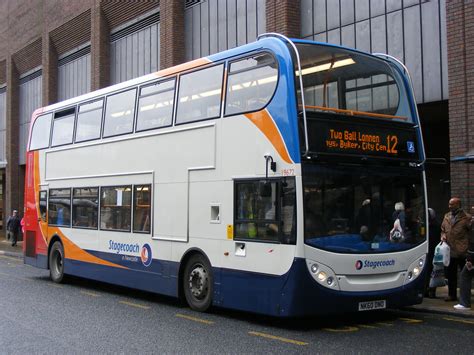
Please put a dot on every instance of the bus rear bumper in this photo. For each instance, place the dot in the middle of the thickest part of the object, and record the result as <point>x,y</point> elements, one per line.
<point>39,261</point>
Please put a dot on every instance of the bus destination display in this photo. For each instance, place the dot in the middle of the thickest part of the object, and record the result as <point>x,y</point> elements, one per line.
<point>358,139</point>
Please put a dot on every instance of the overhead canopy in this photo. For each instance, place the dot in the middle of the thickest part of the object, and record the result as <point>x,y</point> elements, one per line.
<point>466,158</point>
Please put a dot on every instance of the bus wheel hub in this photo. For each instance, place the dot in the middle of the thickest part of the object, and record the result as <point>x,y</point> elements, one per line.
<point>198,282</point>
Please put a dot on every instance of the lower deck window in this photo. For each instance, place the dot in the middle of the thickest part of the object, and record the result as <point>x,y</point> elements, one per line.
<point>142,208</point>
<point>115,208</point>
<point>59,207</point>
<point>85,203</point>
<point>265,210</point>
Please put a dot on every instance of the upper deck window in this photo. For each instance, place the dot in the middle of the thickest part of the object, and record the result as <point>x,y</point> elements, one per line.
<point>200,94</point>
<point>41,132</point>
<point>63,129</point>
<point>251,84</point>
<point>155,105</point>
<point>341,81</point>
<point>119,113</point>
<point>89,120</point>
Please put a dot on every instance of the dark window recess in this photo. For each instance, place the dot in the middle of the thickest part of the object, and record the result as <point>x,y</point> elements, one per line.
<point>142,209</point>
<point>59,210</point>
<point>43,204</point>
<point>85,205</point>
<point>115,208</point>
<point>265,210</point>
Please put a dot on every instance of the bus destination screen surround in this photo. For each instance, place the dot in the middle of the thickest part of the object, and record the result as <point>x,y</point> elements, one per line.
<point>352,138</point>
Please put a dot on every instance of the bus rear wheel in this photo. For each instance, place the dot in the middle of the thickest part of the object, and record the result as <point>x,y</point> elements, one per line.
<point>56,262</point>
<point>198,283</point>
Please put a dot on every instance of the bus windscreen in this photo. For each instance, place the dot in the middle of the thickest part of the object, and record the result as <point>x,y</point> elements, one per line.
<point>337,80</point>
<point>356,209</point>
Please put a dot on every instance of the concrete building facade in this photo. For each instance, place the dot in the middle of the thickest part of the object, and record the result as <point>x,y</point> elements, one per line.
<point>51,50</point>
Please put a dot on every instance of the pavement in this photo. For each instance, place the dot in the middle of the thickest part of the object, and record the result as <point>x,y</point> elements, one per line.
<point>429,305</point>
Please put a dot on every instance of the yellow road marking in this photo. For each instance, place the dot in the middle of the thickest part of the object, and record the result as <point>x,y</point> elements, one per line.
<point>134,305</point>
<point>194,319</point>
<point>92,294</point>
<point>366,326</point>
<point>459,320</point>
<point>411,320</point>
<point>385,324</point>
<point>346,329</point>
<point>274,337</point>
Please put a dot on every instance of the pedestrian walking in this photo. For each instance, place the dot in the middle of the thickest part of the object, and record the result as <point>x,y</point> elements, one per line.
<point>455,230</point>
<point>13,227</point>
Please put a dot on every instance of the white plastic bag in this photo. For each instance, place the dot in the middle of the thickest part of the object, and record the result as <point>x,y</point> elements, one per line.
<point>396,234</point>
<point>442,254</point>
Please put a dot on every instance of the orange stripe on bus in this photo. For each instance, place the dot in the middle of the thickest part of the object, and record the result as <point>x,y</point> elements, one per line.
<point>71,250</point>
<point>183,67</point>
<point>265,123</point>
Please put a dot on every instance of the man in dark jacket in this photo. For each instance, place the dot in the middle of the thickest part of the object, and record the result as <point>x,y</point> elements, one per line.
<point>467,274</point>
<point>13,226</point>
<point>455,230</point>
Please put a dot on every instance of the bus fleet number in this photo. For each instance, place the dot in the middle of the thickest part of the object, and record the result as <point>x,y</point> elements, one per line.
<point>288,172</point>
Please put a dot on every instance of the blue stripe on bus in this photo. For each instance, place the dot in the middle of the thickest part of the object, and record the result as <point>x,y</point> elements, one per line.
<point>146,281</point>
<point>290,295</point>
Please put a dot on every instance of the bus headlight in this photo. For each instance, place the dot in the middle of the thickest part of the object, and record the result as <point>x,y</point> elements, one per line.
<point>415,269</point>
<point>323,274</point>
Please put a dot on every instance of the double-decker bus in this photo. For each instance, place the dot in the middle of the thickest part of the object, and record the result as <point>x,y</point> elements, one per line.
<point>283,177</point>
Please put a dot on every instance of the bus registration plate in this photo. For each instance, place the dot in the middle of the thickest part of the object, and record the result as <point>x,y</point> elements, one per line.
<point>371,305</point>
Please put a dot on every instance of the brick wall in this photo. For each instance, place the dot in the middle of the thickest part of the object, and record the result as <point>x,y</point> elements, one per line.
<point>460,31</point>
<point>171,33</point>
<point>3,72</point>
<point>283,16</point>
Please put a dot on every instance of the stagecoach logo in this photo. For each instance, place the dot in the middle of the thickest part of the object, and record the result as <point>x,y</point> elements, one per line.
<point>145,255</point>
<point>373,264</point>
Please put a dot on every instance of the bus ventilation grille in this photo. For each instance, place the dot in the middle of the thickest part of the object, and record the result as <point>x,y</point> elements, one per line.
<point>30,249</point>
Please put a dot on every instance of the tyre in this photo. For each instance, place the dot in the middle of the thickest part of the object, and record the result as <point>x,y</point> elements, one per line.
<point>56,262</point>
<point>198,283</point>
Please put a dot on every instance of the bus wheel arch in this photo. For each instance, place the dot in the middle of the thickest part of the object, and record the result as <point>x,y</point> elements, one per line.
<point>196,280</point>
<point>56,259</point>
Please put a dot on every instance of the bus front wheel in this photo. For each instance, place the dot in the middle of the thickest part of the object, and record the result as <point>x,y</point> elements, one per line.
<point>198,283</point>
<point>56,262</point>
